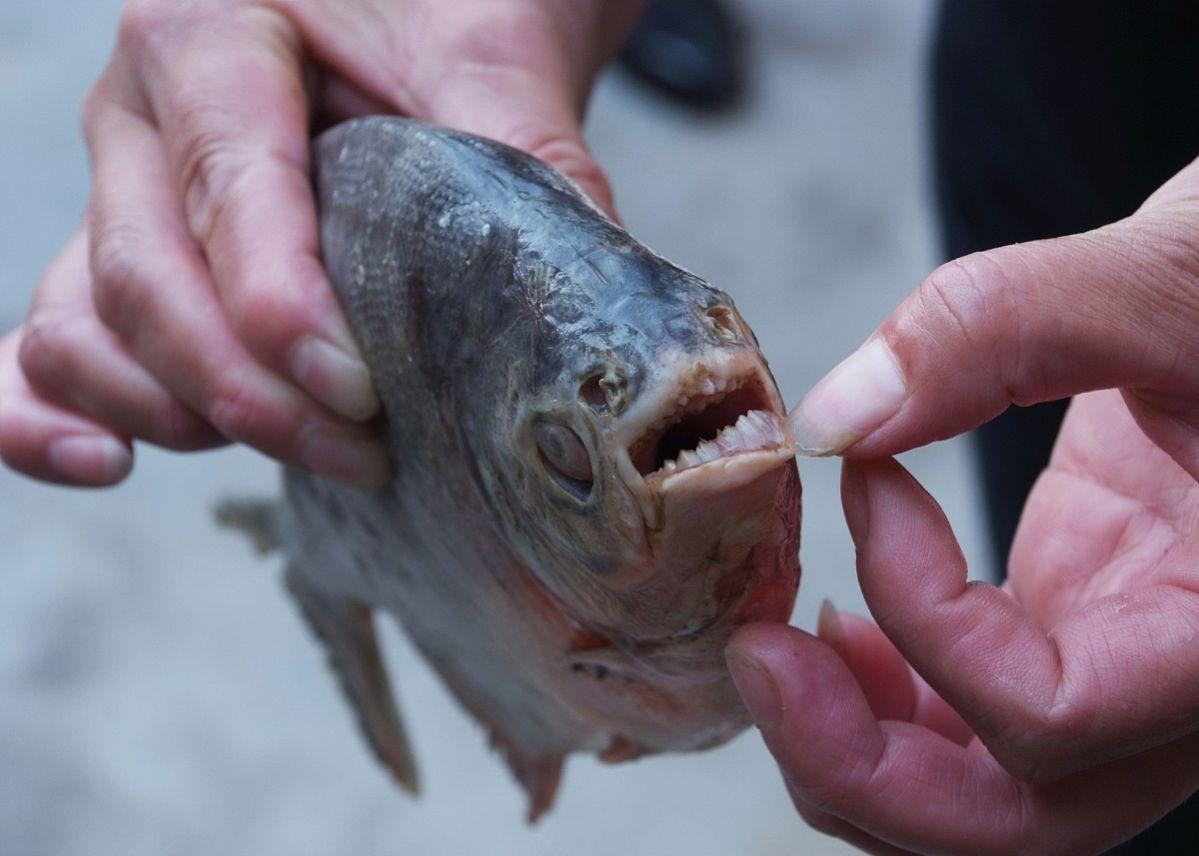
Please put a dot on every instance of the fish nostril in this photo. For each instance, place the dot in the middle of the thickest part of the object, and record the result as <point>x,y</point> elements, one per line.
<point>592,393</point>
<point>724,323</point>
<point>605,393</point>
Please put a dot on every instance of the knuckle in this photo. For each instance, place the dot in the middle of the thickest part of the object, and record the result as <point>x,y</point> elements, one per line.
<point>969,291</point>
<point>210,167</point>
<point>975,301</point>
<point>823,823</point>
<point>256,308</point>
<point>142,21</point>
<point>235,410</point>
<point>824,799</point>
<point>180,429</point>
<point>1167,247</point>
<point>43,347</point>
<point>1172,238</point>
<point>1036,753</point>
<point>93,106</point>
<point>120,285</point>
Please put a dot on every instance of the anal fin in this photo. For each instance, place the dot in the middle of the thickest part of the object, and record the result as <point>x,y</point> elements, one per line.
<point>538,775</point>
<point>347,629</point>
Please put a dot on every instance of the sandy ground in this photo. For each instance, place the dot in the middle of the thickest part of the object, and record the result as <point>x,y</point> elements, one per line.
<point>158,693</point>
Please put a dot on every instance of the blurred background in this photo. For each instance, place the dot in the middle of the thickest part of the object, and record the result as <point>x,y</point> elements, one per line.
<point>158,693</point>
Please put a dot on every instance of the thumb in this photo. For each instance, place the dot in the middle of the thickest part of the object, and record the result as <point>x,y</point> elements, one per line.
<point>537,114</point>
<point>1114,308</point>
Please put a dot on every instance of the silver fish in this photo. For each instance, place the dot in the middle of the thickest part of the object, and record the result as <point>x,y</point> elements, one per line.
<point>594,483</point>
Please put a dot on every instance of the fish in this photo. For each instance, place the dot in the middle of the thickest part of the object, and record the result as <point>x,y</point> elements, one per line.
<point>594,485</point>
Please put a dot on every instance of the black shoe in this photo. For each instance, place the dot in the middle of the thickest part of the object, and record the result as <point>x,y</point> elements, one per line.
<point>688,50</point>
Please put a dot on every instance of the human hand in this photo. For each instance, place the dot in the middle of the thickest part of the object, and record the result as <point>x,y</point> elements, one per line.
<point>206,286</point>
<point>1059,713</point>
<point>1115,308</point>
<point>1078,682</point>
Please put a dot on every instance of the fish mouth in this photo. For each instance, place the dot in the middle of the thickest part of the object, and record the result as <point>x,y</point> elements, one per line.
<point>722,425</point>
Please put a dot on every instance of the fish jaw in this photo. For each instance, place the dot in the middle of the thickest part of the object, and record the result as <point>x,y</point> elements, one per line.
<point>675,694</point>
<point>703,454</point>
<point>709,425</point>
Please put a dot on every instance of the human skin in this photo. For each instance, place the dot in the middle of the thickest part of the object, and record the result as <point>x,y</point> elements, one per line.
<point>1055,714</point>
<point>1059,713</point>
<point>191,308</point>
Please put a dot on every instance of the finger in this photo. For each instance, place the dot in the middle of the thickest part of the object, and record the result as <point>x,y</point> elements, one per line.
<point>835,827</point>
<point>518,74</point>
<point>71,359</point>
<point>152,288</point>
<point>894,781</point>
<point>1113,308</point>
<point>891,688</point>
<point>529,112</point>
<point>49,443</point>
<point>230,105</point>
<point>910,788</point>
<point>1109,681</point>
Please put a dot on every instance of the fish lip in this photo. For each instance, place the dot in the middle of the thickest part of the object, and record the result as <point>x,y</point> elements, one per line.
<point>694,386</point>
<point>727,472</point>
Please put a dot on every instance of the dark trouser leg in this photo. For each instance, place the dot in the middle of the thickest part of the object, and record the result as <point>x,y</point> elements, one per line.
<point>1054,118</point>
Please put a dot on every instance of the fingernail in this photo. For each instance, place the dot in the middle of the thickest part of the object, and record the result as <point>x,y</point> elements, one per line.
<point>358,462</point>
<point>756,687</point>
<point>830,629</point>
<point>99,459</point>
<point>852,400</point>
<point>335,377</point>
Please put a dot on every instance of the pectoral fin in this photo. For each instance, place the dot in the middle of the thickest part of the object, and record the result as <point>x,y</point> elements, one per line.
<point>348,631</point>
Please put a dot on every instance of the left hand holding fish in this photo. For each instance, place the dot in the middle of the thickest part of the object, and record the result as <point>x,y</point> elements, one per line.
<point>190,309</point>
<point>1059,713</point>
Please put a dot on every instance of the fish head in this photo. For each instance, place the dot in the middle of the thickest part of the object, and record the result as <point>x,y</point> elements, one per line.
<point>652,460</point>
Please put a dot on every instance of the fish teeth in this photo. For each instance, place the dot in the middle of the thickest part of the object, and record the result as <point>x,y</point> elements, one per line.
<point>708,387</point>
<point>707,451</point>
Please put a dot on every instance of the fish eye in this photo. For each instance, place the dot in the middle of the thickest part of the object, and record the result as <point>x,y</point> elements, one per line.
<point>565,457</point>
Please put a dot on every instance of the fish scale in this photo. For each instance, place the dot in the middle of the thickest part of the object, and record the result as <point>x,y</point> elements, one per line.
<point>572,585</point>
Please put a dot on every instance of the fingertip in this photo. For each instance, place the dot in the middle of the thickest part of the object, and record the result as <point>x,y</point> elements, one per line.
<point>94,460</point>
<point>829,628</point>
<point>336,377</point>
<point>762,640</point>
<point>36,444</point>
<point>852,401</point>
<point>790,659</point>
<point>881,671</point>
<point>756,686</point>
<point>880,493</point>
